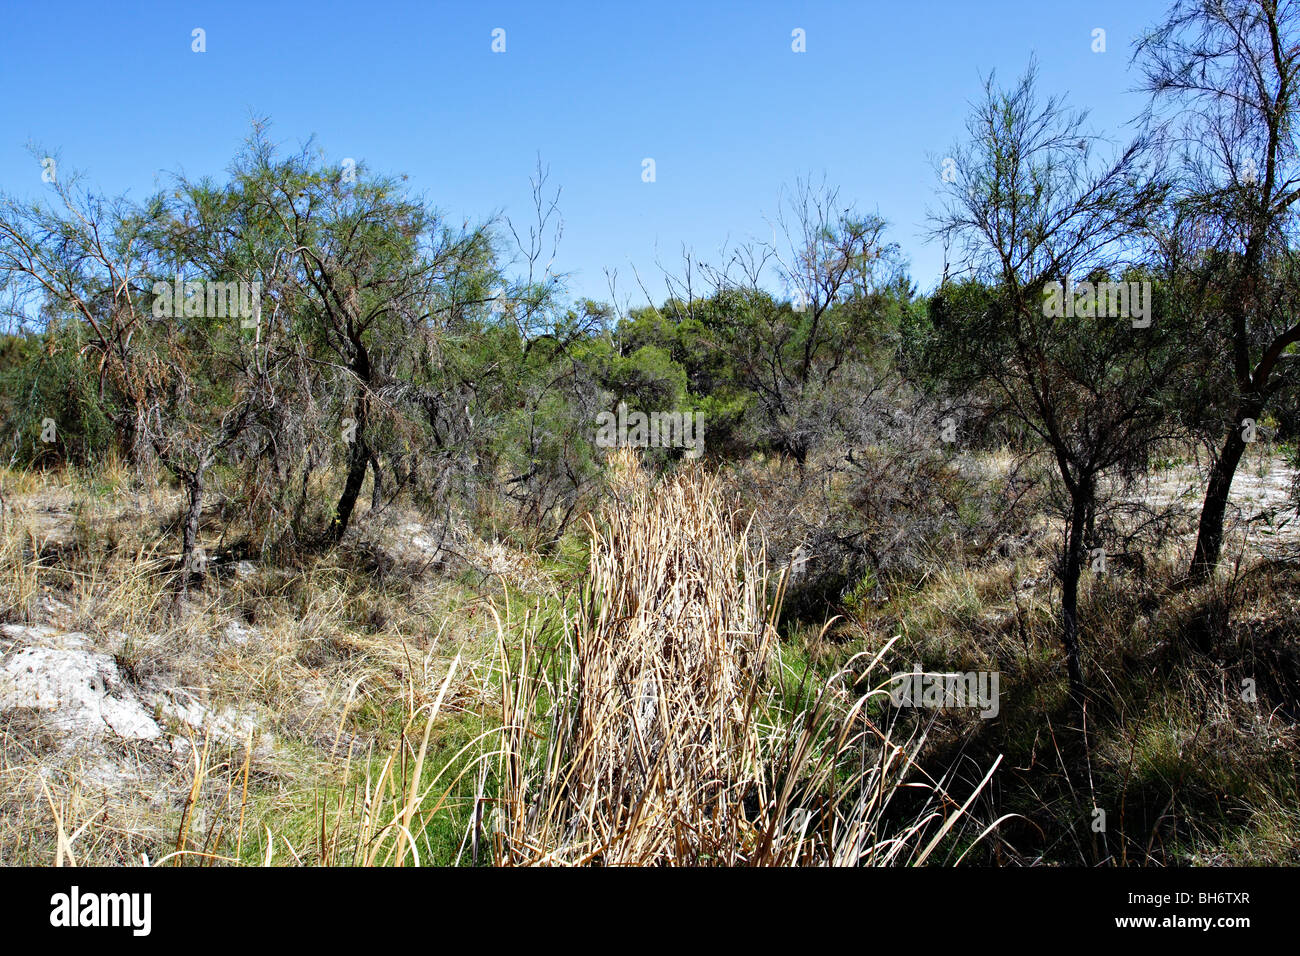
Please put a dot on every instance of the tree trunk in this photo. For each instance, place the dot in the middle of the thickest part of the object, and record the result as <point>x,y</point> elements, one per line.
<point>1070,596</point>
<point>1209,534</point>
<point>358,461</point>
<point>193,512</point>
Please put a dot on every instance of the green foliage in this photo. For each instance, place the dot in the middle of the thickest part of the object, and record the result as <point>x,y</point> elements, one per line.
<point>44,377</point>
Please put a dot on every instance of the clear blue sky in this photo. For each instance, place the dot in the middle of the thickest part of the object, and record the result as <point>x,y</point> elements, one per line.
<point>711,91</point>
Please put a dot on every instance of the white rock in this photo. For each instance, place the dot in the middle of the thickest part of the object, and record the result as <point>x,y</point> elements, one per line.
<point>238,633</point>
<point>228,725</point>
<point>28,633</point>
<point>82,690</point>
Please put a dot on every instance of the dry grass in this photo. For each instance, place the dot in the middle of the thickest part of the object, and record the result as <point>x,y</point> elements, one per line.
<point>653,718</point>
<point>326,663</point>
<point>20,570</point>
<point>651,726</point>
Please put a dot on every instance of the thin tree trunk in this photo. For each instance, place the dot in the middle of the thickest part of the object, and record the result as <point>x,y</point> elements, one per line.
<point>358,461</point>
<point>1070,597</point>
<point>193,512</point>
<point>301,506</point>
<point>1209,534</point>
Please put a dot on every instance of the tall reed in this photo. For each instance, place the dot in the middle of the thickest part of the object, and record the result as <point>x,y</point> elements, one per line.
<point>654,725</point>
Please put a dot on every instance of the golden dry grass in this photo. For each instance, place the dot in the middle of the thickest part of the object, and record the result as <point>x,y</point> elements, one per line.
<point>649,728</point>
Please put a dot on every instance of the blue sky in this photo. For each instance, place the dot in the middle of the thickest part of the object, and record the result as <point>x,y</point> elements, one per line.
<point>711,91</point>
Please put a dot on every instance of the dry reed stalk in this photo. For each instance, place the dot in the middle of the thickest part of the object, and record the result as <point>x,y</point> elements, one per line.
<point>648,733</point>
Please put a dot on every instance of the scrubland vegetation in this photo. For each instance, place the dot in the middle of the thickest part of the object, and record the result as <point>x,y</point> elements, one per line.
<point>310,554</point>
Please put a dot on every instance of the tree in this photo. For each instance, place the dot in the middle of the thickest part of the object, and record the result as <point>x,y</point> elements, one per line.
<point>378,281</point>
<point>793,358</point>
<point>169,378</point>
<point>1223,78</point>
<point>1030,206</point>
<point>83,258</point>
